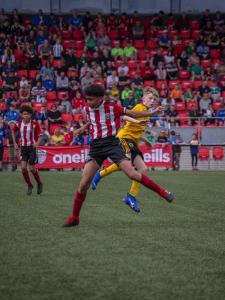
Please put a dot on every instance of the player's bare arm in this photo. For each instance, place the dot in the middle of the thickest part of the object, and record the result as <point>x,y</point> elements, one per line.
<point>139,114</point>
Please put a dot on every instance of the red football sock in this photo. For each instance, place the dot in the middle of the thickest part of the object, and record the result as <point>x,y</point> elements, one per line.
<point>78,202</point>
<point>36,176</point>
<point>26,177</point>
<point>150,184</point>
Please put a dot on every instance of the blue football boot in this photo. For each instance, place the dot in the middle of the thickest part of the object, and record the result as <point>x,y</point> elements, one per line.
<point>132,202</point>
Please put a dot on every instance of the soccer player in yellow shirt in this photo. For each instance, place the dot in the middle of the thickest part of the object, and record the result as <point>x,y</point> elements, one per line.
<point>130,135</point>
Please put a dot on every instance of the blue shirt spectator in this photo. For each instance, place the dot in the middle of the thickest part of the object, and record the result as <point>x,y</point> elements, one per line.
<point>75,20</point>
<point>2,114</point>
<point>221,116</point>
<point>2,136</point>
<point>39,19</point>
<point>12,114</point>
<point>42,116</point>
<point>49,85</point>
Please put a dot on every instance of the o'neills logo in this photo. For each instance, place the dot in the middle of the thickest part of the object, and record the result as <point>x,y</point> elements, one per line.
<point>156,155</point>
<point>67,158</point>
<point>42,155</point>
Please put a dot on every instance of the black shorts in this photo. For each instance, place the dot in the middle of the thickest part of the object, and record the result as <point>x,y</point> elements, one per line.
<point>131,149</point>
<point>104,148</point>
<point>1,153</point>
<point>28,154</point>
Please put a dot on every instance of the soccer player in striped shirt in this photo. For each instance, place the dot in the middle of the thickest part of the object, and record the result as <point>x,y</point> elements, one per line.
<point>30,136</point>
<point>104,121</point>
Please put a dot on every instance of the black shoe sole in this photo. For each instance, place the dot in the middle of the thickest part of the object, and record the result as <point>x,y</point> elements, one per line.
<point>72,224</point>
<point>40,188</point>
<point>29,191</point>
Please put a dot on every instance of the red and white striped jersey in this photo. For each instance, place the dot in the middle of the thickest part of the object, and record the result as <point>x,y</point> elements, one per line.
<point>29,133</point>
<point>104,120</point>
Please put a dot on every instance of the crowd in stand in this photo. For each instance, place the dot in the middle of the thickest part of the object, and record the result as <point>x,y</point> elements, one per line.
<point>48,60</point>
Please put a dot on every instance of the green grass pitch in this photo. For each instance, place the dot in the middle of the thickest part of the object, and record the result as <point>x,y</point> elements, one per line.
<point>168,251</point>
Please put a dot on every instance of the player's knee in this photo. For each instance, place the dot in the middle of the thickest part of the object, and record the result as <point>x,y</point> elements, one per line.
<point>143,170</point>
<point>84,186</point>
<point>133,175</point>
<point>23,169</point>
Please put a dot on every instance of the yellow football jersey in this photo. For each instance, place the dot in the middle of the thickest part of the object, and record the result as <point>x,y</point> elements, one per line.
<point>134,131</point>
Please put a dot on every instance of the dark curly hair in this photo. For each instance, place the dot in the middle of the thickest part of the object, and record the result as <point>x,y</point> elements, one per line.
<point>26,108</point>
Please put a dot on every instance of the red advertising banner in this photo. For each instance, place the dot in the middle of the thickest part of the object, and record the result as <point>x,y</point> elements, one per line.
<point>75,156</point>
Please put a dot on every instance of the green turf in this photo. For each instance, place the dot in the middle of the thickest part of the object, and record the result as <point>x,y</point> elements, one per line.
<point>166,252</point>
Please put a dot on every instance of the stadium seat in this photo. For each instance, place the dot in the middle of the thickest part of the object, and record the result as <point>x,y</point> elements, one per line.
<point>37,106</point>
<point>160,82</point>
<point>51,96</point>
<point>173,83</point>
<point>184,74</point>
<point>80,44</point>
<point>141,54</point>
<point>186,84</point>
<point>32,74</point>
<point>53,127</point>
<point>183,117</point>
<point>185,34</point>
<point>149,83</point>
<point>139,44</point>
<point>180,106</point>
<point>197,84</point>
<point>196,34</point>
<point>62,95</point>
<point>15,94</point>
<point>78,34</point>
<point>172,33</point>
<point>67,117</point>
<point>132,64</point>
<point>72,73</point>
<point>100,82</point>
<point>195,24</point>
<point>113,34</point>
<point>205,63</point>
<point>79,53</point>
<point>77,116</point>
<point>2,106</point>
<point>151,44</point>
<point>66,34</point>
<point>57,63</point>
<point>192,103</point>
<point>215,53</point>
<point>203,153</point>
<point>217,153</point>
<point>21,73</point>
<point>216,105</point>
<point>67,44</point>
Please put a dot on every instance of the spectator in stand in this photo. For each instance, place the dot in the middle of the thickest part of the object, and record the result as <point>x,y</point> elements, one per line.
<point>117,52</point>
<point>39,19</point>
<point>10,82</point>
<point>157,58</point>
<point>106,58</point>
<point>95,68</point>
<point>70,59</point>
<point>164,40</point>
<point>49,84</point>
<point>57,139</point>
<point>130,52</point>
<point>109,68</point>
<point>45,136</point>
<point>91,41</point>
<point>172,71</point>
<point>112,79</point>
<point>65,105</point>
<point>137,82</point>
<point>2,138</point>
<point>194,145</point>
<point>138,31</point>
<point>194,115</point>
<point>176,142</point>
<point>218,20</point>
<point>34,61</point>
<point>10,100</point>
<point>162,121</point>
<point>103,41</point>
<point>197,72</point>
<point>87,80</point>
<point>169,57</point>
<point>214,41</point>
<point>54,115</point>
<point>194,59</point>
<point>24,93</point>
<point>8,55</point>
<point>68,134</point>
<point>220,115</point>
<point>78,103</point>
<point>38,93</point>
<point>45,50</point>
<point>215,91</point>
<point>12,151</point>
<point>129,102</point>
<point>125,93</point>
<point>177,93</point>
<point>41,38</point>
<point>74,86</point>
<point>12,114</point>
<point>209,115</point>
<point>124,80</point>
<point>160,72</point>
<point>123,67</point>
<point>62,82</point>
<point>203,50</point>
<point>162,138</point>
<point>75,20</point>
<point>57,49</point>
<point>172,116</point>
<point>204,102</point>
<point>42,116</point>
<point>183,61</point>
<point>47,71</point>
<point>203,88</point>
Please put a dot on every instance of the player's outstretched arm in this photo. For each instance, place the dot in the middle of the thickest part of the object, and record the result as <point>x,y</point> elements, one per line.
<point>82,129</point>
<point>139,114</point>
<point>132,120</point>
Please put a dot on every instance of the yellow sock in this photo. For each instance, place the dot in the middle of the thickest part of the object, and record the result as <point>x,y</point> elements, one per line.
<point>109,170</point>
<point>134,188</point>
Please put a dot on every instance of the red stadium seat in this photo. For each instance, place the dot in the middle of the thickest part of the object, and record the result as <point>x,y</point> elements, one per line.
<point>77,116</point>
<point>186,84</point>
<point>132,64</point>
<point>100,82</point>
<point>67,117</point>
<point>196,34</point>
<point>172,33</point>
<point>15,95</point>
<point>37,106</point>
<point>79,53</point>
<point>183,117</point>
<point>113,34</point>
<point>151,44</point>
<point>21,73</point>
<point>141,54</point>
<point>180,106</point>
<point>2,106</point>
<point>218,153</point>
<point>160,82</point>
<point>67,44</point>
<point>215,53</point>
<point>80,44</point>
<point>203,153</point>
<point>66,34</point>
<point>72,73</point>
<point>195,24</point>
<point>197,84</point>
<point>216,105</point>
<point>192,103</point>
<point>62,95</point>
<point>205,63</point>
<point>33,73</point>
<point>149,83</point>
<point>139,44</point>
<point>185,34</point>
<point>78,34</point>
<point>184,74</point>
<point>57,63</point>
<point>173,83</point>
<point>51,96</point>
<point>53,128</point>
